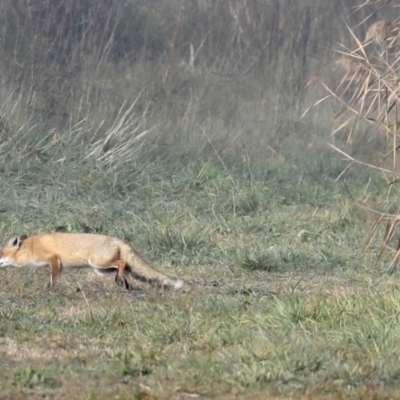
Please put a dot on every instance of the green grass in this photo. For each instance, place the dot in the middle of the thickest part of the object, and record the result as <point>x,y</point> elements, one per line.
<point>280,301</point>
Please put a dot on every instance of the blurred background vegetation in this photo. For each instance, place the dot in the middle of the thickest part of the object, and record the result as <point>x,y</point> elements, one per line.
<point>113,80</point>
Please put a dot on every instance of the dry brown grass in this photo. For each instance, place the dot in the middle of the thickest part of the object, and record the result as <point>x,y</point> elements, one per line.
<point>45,350</point>
<point>369,97</point>
<point>378,31</point>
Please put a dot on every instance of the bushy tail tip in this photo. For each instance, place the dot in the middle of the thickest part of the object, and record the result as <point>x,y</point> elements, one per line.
<point>178,283</point>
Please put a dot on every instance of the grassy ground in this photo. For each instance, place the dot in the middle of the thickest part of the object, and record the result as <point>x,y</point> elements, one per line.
<point>280,302</point>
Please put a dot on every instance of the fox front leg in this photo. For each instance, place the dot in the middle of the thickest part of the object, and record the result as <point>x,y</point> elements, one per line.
<point>55,272</point>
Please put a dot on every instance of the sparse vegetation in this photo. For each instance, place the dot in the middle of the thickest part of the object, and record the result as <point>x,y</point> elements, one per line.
<point>176,126</point>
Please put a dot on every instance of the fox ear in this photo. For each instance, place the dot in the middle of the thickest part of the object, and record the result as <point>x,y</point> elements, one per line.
<point>15,242</point>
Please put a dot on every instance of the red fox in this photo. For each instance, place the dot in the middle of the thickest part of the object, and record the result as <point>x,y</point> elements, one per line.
<point>105,254</point>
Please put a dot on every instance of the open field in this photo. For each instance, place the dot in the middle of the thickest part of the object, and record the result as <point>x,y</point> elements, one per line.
<point>280,302</point>
<point>179,127</point>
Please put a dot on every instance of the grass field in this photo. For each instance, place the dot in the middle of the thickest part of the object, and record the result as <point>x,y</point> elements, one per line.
<point>180,127</point>
<point>281,301</point>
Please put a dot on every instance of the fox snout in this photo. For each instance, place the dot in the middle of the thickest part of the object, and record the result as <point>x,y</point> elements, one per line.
<point>4,262</point>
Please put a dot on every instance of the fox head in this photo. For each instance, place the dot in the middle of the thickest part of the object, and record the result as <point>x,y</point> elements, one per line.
<point>8,253</point>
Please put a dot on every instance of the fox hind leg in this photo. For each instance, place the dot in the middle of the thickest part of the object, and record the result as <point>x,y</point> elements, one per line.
<point>122,281</point>
<point>121,278</point>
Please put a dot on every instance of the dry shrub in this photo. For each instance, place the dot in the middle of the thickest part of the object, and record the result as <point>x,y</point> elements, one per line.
<point>369,96</point>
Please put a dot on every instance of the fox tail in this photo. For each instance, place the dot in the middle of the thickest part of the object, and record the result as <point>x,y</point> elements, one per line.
<point>140,269</point>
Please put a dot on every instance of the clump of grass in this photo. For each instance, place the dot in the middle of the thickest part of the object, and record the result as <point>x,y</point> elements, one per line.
<point>263,261</point>
<point>185,244</point>
<point>245,203</point>
<point>180,240</point>
<point>33,378</point>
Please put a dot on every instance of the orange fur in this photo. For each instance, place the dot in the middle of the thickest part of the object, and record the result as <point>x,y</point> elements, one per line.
<point>105,254</point>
